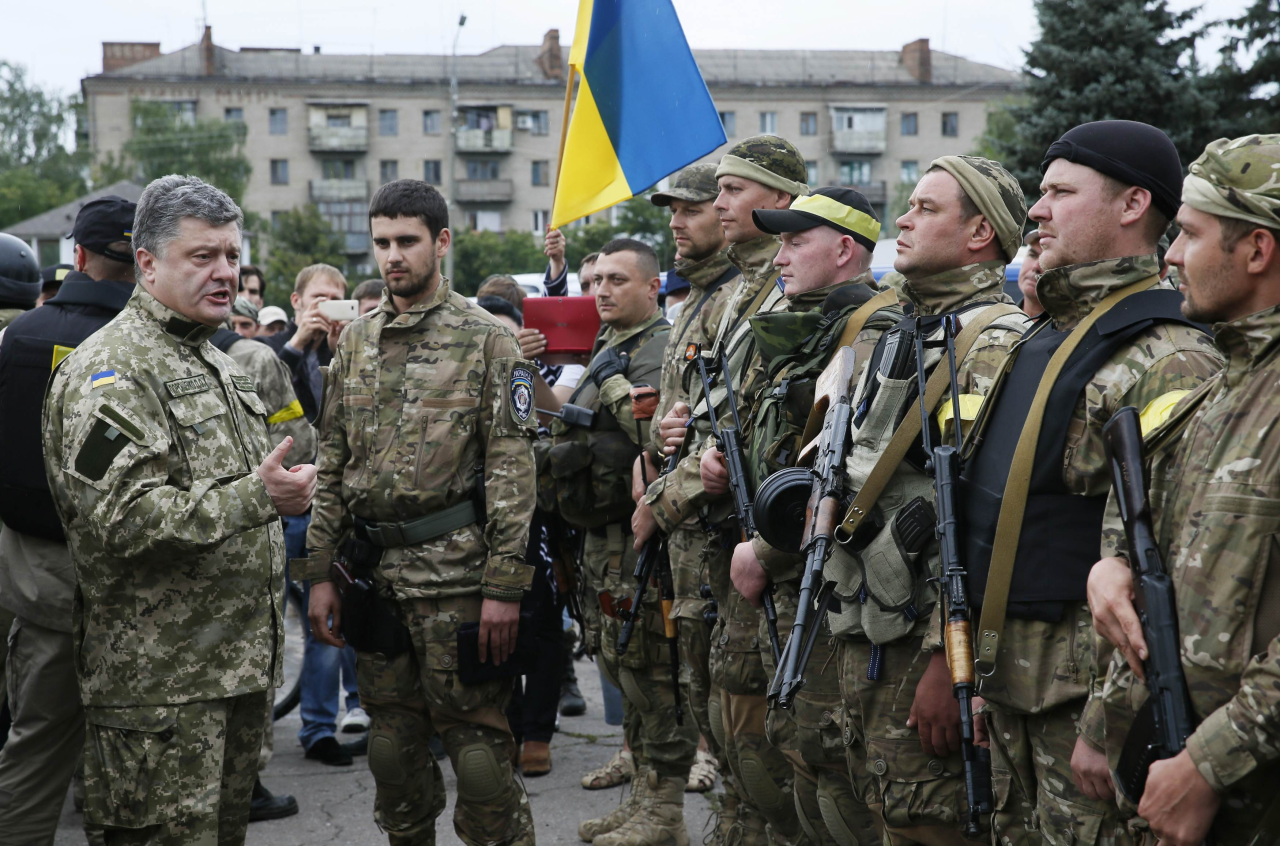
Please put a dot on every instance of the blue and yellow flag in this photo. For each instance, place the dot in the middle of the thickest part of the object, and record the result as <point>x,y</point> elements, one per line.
<point>643,109</point>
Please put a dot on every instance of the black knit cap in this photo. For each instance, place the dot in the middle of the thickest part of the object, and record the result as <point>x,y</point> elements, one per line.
<point>1132,152</point>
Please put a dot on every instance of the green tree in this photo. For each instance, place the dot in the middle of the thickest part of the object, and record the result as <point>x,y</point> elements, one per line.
<point>37,170</point>
<point>478,254</point>
<point>1248,96</point>
<point>1106,59</point>
<point>165,142</point>
<point>300,237</point>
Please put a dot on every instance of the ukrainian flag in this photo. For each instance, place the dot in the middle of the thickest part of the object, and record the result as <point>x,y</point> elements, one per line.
<point>643,109</point>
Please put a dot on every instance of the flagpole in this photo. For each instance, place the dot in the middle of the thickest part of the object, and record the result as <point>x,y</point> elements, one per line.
<point>564,133</point>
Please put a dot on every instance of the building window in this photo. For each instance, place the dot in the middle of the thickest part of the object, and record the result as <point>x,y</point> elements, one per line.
<point>808,123</point>
<point>541,219</point>
<point>389,170</point>
<point>768,123</point>
<point>279,171</point>
<point>278,120</point>
<point>910,123</point>
<point>338,120</point>
<point>482,169</point>
<point>338,169</point>
<point>485,221</point>
<point>729,120</point>
<point>388,122</point>
<point>432,172</point>
<point>233,114</point>
<point>430,122</point>
<point>351,220</point>
<point>541,173</point>
<point>909,172</point>
<point>811,172</point>
<point>541,123</point>
<point>856,172</point>
<point>277,217</point>
<point>951,124</point>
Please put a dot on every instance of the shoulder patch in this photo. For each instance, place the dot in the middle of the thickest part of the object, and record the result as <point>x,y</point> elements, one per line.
<point>190,385</point>
<point>244,383</point>
<point>521,393</point>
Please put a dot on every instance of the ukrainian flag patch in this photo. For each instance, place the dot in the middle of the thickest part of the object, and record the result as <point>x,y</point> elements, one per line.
<point>102,378</point>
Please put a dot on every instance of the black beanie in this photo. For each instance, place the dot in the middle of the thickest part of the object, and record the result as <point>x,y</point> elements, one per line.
<point>1131,152</point>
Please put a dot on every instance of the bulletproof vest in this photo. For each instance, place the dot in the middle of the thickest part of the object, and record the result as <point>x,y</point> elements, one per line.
<point>32,347</point>
<point>225,339</point>
<point>1061,531</point>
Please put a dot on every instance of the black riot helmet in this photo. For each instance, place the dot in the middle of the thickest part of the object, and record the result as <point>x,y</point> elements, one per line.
<point>19,273</point>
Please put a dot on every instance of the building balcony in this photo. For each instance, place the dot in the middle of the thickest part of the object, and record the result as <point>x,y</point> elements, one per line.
<point>485,190</point>
<point>339,190</point>
<point>484,140</point>
<point>875,192</point>
<point>338,139</point>
<point>858,141</point>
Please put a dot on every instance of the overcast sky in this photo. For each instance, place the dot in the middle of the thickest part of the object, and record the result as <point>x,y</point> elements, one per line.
<point>61,42</point>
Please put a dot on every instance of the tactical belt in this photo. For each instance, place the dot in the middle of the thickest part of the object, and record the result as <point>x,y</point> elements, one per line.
<point>603,531</point>
<point>907,432</point>
<point>418,530</point>
<point>1013,504</point>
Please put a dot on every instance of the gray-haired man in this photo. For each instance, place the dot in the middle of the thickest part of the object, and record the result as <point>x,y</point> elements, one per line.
<point>159,461</point>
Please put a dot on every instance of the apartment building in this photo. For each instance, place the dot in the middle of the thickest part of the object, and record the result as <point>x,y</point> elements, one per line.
<point>328,129</point>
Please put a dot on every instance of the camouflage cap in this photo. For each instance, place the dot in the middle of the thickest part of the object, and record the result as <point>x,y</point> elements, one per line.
<point>243,308</point>
<point>996,194</point>
<point>1237,178</point>
<point>693,184</point>
<point>769,160</point>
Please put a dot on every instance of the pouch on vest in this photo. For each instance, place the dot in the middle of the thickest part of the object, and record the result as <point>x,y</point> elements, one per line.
<point>779,424</point>
<point>843,569</point>
<point>895,580</point>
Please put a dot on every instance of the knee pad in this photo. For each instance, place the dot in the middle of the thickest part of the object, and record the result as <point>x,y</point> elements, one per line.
<point>384,759</point>
<point>633,691</point>
<point>830,805</point>
<point>716,718</point>
<point>805,823</point>
<point>759,785</point>
<point>480,777</point>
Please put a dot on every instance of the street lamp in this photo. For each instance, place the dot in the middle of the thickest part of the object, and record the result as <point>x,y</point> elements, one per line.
<point>451,201</point>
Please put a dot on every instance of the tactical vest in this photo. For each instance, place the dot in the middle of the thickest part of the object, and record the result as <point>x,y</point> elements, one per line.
<point>881,576</point>
<point>1060,530</point>
<point>33,346</point>
<point>591,468</point>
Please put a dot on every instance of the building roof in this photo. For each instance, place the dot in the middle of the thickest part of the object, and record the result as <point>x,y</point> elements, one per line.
<point>56,223</point>
<point>517,64</point>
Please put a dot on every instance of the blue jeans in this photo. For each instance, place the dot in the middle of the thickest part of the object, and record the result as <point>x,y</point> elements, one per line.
<point>321,664</point>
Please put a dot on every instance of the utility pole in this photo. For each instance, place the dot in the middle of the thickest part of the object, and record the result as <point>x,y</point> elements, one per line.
<point>451,200</point>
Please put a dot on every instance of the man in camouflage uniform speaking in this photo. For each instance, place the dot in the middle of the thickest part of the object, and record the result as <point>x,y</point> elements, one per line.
<point>157,453</point>
<point>1213,470</point>
<point>426,401</point>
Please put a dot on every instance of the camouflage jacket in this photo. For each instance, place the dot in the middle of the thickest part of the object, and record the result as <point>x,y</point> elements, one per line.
<point>1216,515</point>
<point>418,407</point>
<point>8,315</point>
<point>275,388</point>
<point>690,329</point>
<point>679,496</point>
<point>1161,360</point>
<point>152,438</point>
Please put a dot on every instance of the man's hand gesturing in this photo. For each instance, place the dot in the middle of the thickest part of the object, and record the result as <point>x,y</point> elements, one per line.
<point>291,490</point>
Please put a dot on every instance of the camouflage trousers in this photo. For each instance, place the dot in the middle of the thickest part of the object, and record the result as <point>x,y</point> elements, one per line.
<point>172,774</point>
<point>918,798</point>
<point>832,809</point>
<point>417,694</point>
<point>1036,799</point>
<point>688,569</point>
<point>643,674</point>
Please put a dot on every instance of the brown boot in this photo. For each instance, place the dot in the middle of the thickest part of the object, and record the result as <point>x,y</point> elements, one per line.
<point>535,758</point>
<point>660,821</point>
<point>588,830</point>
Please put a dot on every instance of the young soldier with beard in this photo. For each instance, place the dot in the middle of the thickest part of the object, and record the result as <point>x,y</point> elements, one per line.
<point>831,300</point>
<point>1035,486</point>
<point>1212,475</point>
<point>427,402</point>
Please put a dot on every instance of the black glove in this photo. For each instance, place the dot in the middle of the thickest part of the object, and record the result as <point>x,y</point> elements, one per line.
<point>607,363</point>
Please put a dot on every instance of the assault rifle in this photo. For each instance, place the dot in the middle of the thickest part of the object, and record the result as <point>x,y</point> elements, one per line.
<point>835,389</point>
<point>944,465</point>
<point>730,442</point>
<point>1161,728</point>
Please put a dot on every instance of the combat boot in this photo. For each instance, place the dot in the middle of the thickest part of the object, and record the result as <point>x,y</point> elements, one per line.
<point>750,828</point>
<point>723,822</point>
<point>660,821</point>
<point>588,830</point>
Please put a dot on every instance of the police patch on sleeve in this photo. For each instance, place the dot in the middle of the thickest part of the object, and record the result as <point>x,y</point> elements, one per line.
<point>522,393</point>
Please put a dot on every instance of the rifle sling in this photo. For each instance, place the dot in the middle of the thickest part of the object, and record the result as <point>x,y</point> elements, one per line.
<point>1013,504</point>
<point>907,432</point>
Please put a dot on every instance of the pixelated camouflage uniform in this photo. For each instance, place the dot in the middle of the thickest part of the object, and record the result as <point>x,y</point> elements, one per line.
<point>416,405</point>
<point>1042,676</point>
<point>916,798</point>
<point>809,734</point>
<point>179,559</point>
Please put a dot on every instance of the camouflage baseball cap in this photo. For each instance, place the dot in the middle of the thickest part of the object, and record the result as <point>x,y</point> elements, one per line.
<point>996,194</point>
<point>1237,178</point>
<point>243,308</point>
<point>769,160</point>
<point>694,184</point>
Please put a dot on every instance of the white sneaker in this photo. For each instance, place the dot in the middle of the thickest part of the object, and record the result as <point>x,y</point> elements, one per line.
<point>354,722</point>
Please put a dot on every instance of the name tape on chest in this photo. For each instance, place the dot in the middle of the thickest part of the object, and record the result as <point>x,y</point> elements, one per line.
<point>244,383</point>
<point>189,385</point>
<point>522,393</point>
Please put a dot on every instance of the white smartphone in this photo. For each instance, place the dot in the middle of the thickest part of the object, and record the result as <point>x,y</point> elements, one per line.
<point>340,309</point>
